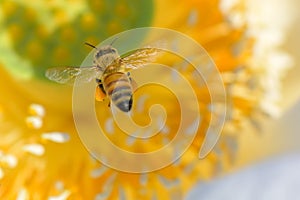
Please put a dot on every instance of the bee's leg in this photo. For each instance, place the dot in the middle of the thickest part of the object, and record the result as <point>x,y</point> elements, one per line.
<point>102,88</point>
<point>134,85</point>
<point>128,74</point>
<point>100,93</point>
<point>98,81</point>
<point>132,81</point>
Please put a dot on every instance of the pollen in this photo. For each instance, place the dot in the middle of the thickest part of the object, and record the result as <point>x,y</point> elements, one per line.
<point>97,6</point>
<point>30,15</point>
<point>16,32</point>
<point>9,8</point>
<point>122,10</point>
<point>42,32</point>
<point>60,17</point>
<point>113,27</point>
<point>34,50</point>
<point>68,34</point>
<point>89,21</point>
<point>62,54</point>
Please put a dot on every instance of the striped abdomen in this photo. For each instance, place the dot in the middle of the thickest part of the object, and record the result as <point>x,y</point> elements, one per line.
<point>118,87</point>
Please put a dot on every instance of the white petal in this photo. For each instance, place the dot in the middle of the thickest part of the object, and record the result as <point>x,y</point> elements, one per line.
<point>227,5</point>
<point>165,141</point>
<point>143,179</point>
<point>140,103</point>
<point>165,129</point>
<point>103,195</point>
<point>175,76</point>
<point>96,173</point>
<point>62,196</point>
<point>109,182</point>
<point>37,109</point>
<point>59,185</point>
<point>22,194</point>
<point>192,129</point>
<point>130,140</point>
<point>35,149</point>
<point>109,126</point>
<point>122,195</point>
<point>107,188</point>
<point>56,137</point>
<point>34,122</point>
<point>168,183</point>
<point>1,173</point>
<point>193,18</point>
<point>10,160</point>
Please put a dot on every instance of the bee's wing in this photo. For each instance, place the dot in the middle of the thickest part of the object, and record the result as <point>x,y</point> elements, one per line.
<point>140,57</point>
<point>67,75</point>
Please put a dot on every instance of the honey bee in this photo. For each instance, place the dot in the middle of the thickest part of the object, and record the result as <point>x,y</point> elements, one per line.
<point>111,72</point>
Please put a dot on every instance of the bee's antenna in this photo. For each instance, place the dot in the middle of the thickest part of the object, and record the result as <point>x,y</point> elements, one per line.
<point>90,45</point>
<point>114,41</point>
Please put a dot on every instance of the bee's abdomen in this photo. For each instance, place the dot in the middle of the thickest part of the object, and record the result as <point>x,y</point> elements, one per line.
<point>118,87</point>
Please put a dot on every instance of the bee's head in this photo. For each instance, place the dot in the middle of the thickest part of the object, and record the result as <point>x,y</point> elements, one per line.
<point>106,51</point>
<point>105,55</point>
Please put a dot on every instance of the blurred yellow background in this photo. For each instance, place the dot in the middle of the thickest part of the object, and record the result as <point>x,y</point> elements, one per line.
<point>41,155</point>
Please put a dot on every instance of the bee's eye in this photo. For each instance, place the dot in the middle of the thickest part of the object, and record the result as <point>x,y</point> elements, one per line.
<point>99,53</point>
<point>113,50</point>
